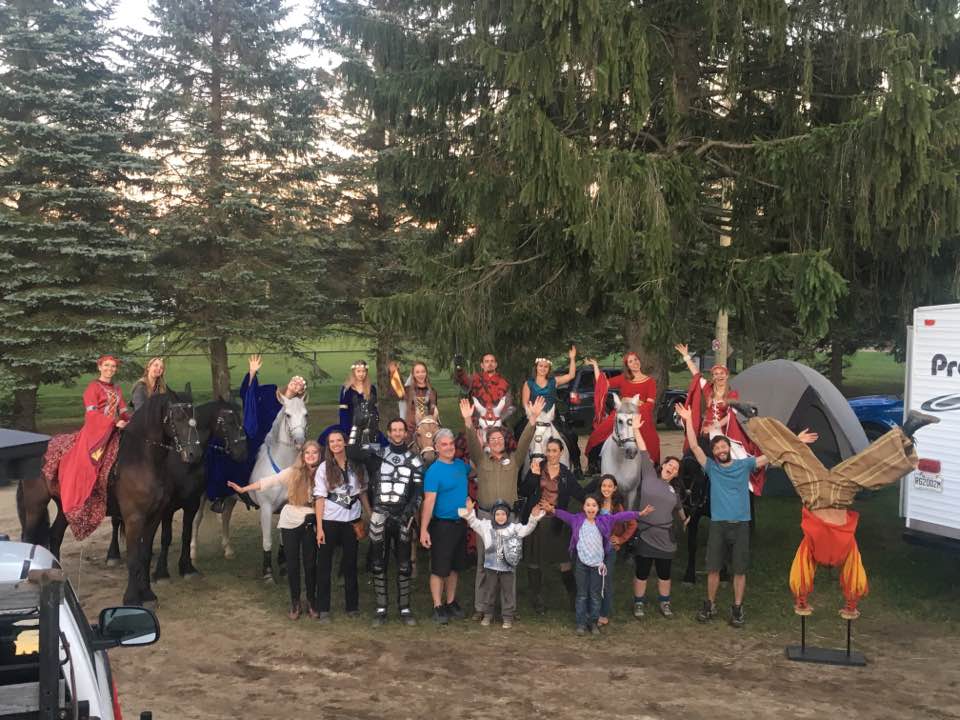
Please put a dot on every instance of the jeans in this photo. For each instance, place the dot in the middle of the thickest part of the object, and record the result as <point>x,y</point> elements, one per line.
<point>606,602</point>
<point>589,586</point>
<point>300,544</point>
<point>338,534</point>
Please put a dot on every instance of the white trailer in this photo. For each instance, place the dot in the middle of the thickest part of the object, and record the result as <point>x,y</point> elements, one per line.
<point>930,496</point>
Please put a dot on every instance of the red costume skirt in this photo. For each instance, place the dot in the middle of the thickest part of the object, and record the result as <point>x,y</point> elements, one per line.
<point>86,517</point>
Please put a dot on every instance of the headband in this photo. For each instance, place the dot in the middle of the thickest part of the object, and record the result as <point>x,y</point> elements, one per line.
<point>539,360</point>
<point>720,367</point>
<point>628,356</point>
<point>103,358</point>
<point>359,364</point>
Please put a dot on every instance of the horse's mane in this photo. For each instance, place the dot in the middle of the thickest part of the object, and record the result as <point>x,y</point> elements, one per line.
<point>150,416</point>
<point>628,406</point>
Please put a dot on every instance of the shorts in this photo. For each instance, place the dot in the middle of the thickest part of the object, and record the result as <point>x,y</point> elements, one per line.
<point>448,546</point>
<point>729,541</point>
<point>642,565</point>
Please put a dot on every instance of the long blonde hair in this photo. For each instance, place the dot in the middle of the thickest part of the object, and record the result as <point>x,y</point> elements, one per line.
<point>161,384</point>
<point>351,378</point>
<point>300,490</point>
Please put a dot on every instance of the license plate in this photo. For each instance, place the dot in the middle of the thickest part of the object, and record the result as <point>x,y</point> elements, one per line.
<point>928,481</point>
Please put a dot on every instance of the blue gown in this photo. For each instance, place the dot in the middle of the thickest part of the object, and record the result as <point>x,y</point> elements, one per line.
<point>348,399</point>
<point>260,408</point>
<point>548,393</point>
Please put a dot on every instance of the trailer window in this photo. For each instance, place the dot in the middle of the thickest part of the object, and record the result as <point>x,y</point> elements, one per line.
<point>19,649</point>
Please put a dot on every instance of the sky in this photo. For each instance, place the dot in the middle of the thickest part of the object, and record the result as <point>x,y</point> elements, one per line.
<point>133,13</point>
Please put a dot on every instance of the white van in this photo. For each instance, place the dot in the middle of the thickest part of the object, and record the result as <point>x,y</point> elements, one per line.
<point>930,496</point>
<point>52,662</point>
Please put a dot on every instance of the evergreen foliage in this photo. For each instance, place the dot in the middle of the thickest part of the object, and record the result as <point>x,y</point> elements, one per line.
<point>72,270</point>
<point>234,115</point>
<point>580,159</point>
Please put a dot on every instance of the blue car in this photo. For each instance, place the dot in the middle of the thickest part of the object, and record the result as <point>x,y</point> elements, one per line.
<point>877,413</point>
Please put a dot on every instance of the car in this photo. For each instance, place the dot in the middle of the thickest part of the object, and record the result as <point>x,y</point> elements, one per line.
<point>877,414</point>
<point>576,401</point>
<point>53,663</point>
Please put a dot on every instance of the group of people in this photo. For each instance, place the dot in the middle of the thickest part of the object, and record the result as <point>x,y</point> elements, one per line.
<point>354,482</point>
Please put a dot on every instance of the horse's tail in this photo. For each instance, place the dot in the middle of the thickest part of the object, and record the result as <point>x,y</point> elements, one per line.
<point>38,531</point>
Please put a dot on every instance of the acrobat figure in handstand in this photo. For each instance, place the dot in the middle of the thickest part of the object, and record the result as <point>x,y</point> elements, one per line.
<point>827,522</point>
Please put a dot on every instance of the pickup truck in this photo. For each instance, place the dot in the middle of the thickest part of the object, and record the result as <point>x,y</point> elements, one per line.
<point>53,663</point>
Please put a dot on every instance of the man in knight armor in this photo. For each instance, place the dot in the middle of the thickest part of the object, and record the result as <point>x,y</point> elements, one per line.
<point>396,483</point>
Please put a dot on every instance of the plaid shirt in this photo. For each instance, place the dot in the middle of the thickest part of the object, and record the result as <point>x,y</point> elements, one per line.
<point>488,388</point>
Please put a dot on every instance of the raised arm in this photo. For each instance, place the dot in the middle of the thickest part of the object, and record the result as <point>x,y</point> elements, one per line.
<point>687,416</point>
<point>684,351</point>
<point>535,516</point>
<point>571,369</point>
<point>470,432</point>
<point>637,424</point>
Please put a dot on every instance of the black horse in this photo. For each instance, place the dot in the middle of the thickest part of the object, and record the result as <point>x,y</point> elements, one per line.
<point>219,421</point>
<point>163,429</point>
<point>693,487</point>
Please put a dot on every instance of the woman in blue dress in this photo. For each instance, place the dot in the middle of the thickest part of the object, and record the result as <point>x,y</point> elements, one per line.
<point>358,402</point>
<point>544,384</point>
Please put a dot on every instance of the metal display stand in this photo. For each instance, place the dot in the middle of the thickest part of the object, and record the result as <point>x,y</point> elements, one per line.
<point>825,656</point>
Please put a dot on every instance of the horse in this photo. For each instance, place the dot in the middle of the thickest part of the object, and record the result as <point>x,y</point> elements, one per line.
<point>218,420</point>
<point>692,486</point>
<point>544,431</point>
<point>423,438</point>
<point>279,450</point>
<point>366,420</point>
<point>164,426</point>
<point>620,455</point>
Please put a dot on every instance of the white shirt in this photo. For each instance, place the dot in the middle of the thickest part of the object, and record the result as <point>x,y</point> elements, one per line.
<point>336,498</point>
<point>291,516</point>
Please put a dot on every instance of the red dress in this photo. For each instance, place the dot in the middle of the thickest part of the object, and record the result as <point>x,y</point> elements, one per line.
<point>645,390</point>
<point>77,474</point>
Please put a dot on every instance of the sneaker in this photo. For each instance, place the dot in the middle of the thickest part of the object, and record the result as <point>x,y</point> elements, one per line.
<point>440,615</point>
<point>407,618</point>
<point>379,618</point>
<point>595,630</point>
<point>454,611</point>
<point>708,612</point>
<point>323,618</point>
<point>294,613</point>
<point>639,610</point>
<point>477,616</point>
<point>485,620</point>
<point>507,624</point>
<point>581,630</point>
<point>665,609</point>
<point>736,616</point>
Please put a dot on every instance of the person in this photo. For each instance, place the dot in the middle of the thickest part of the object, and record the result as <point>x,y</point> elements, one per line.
<point>828,524</point>
<point>631,383</point>
<point>611,502</point>
<point>544,384</point>
<point>396,482</point>
<point>502,543</point>
<point>709,403</point>
<point>589,544</point>
<point>656,544</point>
<point>152,382</point>
<point>260,409</point>
<point>417,397</point>
<point>487,386</point>
<point>496,475</point>
<point>84,467</point>
<point>297,524</point>
<point>442,531</point>
<point>358,403</point>
<point>340,490</point>
<point>729,515</point>
<point>552,484</point>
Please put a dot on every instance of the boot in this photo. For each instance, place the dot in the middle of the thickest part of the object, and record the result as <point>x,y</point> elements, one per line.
<point>570,583</point>
<point>916,420</point>
<point>535,579</point>
<point>748,410</point>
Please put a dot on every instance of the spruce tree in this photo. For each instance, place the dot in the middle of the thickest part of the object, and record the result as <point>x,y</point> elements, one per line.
<point>579,160</point>
<point>71,270</point>
<point>234,115</point>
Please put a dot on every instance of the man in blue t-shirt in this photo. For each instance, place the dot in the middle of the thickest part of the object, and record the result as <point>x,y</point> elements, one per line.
<point>442,530</point>
<point>729,516</point>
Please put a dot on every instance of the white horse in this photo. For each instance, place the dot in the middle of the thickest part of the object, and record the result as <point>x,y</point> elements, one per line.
<point>490,417</point>
<point>544,431</point>
<point>287,435</point>
<point>620,455</point>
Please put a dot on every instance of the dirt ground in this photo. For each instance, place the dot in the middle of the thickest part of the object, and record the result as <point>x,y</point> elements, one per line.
<point>227,651</point>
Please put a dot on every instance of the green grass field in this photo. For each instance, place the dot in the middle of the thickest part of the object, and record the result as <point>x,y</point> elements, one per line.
<point>870,372</point>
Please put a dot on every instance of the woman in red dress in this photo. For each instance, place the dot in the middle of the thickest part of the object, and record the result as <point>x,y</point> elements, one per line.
<point>631,383</point>
<point>95,449</point>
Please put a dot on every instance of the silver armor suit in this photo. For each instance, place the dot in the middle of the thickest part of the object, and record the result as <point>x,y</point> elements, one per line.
<point>396,486</point>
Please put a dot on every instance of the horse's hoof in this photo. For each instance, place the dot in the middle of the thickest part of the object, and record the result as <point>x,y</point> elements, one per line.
<point>191,575</point>
<point>228,553</point>
<point>113,562</point>
<point>283,571</point>
<point>193,554</point>
<point>161,577</point>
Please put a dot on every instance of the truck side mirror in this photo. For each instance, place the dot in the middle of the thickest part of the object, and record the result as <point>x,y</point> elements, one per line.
<point>129,626</point>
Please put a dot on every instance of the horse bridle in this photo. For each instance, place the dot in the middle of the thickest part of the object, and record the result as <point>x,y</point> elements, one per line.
<point>224,434</point>
<point>430,435</point>
<point>620,441</point>
<point>193,434</point>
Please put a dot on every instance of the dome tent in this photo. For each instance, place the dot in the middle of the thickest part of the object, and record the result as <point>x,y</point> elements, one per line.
<point>800,397</point>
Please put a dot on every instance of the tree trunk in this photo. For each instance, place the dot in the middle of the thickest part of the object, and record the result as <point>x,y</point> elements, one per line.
<point>653,359</point>
<point>384,352</point>
<point>25,409</point>
<point>220,368</point>
<point>836,363</point>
